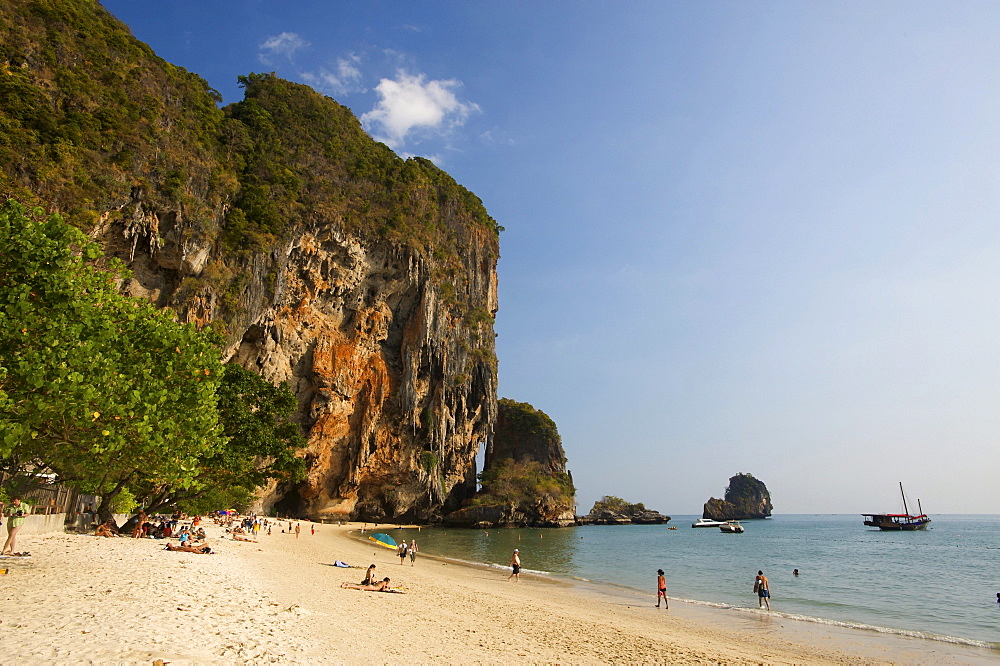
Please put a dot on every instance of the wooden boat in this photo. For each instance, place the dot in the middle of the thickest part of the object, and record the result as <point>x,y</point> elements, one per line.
<point>898,522</point>
<point>732,527</point>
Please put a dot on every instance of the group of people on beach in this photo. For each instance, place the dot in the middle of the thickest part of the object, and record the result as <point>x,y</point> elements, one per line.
<point>403,550</point>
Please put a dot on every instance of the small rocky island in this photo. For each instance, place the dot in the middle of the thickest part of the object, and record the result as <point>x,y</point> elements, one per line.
<point>746,498</point>
<point>611,510</point>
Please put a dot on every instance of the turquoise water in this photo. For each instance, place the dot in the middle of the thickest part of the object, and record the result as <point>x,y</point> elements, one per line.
<point>939,584</point>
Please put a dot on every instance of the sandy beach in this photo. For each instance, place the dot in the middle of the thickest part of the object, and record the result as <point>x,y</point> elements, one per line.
<point>82,599</point>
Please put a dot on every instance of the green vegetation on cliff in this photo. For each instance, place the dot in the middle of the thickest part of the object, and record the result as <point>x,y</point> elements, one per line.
<point>89,116</point>
<point>524,486</point>
<point>525,467</point>
<point>616,505</point>
<point>95,126</point>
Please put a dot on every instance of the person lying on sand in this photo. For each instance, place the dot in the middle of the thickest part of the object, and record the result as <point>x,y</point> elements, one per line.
<point>381,586</point>
<point>240,537</point>
<point>201,550</point>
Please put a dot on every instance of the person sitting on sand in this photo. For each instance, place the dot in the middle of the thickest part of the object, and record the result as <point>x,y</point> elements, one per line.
<point>201,550</point>
<point>107,529</point>
<point>370,576</point>
<point>381,586</point>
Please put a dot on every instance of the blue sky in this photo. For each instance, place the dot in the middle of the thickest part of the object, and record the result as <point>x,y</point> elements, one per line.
<point>740,237</point>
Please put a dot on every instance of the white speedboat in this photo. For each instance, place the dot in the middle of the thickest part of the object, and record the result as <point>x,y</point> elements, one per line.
<point>732,527</point>
<point>707,522</point>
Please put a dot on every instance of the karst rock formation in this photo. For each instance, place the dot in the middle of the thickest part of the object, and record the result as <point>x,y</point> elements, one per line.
<point>364,281</point>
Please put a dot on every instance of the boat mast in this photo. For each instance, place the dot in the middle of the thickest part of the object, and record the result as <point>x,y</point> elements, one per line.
<point>905,510</point>
<point>920,508</point>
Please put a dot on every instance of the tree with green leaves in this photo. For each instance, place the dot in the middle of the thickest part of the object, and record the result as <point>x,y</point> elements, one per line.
<point>261,448</point>
<point>101,390</point>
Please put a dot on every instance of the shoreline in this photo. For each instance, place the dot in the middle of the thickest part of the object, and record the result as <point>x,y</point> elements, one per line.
<point>890,644</point>
<point>80,598</point>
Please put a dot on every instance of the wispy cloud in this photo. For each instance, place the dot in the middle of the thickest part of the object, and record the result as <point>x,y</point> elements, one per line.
<point>284,45</point>
<point>343,78</point>
<point>410,104</point>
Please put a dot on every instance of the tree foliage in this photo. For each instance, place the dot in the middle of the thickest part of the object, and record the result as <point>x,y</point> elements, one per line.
<point>616,505</point>
<point>100,388</point>
<point>111,394</point>
<point>260,447</point>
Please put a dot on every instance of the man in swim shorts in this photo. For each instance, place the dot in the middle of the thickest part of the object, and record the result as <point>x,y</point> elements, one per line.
<point>515,564</point>
<point>760,586</point>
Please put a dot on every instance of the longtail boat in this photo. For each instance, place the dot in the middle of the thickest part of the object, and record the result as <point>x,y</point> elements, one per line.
<point>898,521</point>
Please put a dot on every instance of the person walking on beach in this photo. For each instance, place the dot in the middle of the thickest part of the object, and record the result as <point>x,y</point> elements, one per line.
<point>297,528</point>
<point>16,515</point>
<point>515,564</point>
<point>413,551</point>
<point>661,589</point>
<point>401,551</point>
<point>763,590</point>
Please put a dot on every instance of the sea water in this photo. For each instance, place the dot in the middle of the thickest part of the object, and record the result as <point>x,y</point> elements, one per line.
<point>939,584</point>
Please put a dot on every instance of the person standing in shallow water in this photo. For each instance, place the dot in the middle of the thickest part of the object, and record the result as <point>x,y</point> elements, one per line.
<point>763,590</point>
<point>515,564</point>
<point>661,589</point>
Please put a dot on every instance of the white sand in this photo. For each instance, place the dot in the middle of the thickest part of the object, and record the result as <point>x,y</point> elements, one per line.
<point>81,599</point>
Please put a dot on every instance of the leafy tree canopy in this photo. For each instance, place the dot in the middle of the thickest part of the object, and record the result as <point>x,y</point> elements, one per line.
<point>260,447</point>
<point>100,389</point>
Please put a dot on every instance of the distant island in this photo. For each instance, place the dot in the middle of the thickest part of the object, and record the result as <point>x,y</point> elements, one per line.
<point>746,498</point>
<point>610,510</point>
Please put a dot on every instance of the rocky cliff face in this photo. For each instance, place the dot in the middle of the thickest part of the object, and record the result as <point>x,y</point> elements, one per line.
<point>366,282</point>
<point>746,498</point>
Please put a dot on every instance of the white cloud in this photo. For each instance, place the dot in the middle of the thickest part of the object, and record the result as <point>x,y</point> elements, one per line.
<point>413,104</point>
<point>344,78</point>
<point>284,45</point>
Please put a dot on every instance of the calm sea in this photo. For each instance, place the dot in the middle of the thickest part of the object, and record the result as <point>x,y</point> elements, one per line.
<point>940,584</point>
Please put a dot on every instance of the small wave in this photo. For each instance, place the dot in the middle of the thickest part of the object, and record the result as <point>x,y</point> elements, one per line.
<point>926,635</point>
<point>492,565</point>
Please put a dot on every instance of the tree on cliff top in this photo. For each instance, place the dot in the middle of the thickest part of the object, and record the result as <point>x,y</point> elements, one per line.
<point>100,389</point>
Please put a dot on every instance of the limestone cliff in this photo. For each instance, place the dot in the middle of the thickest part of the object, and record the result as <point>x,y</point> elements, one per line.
<point>365,281</point>
<point>524,481</point>
<point>746,498</point>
